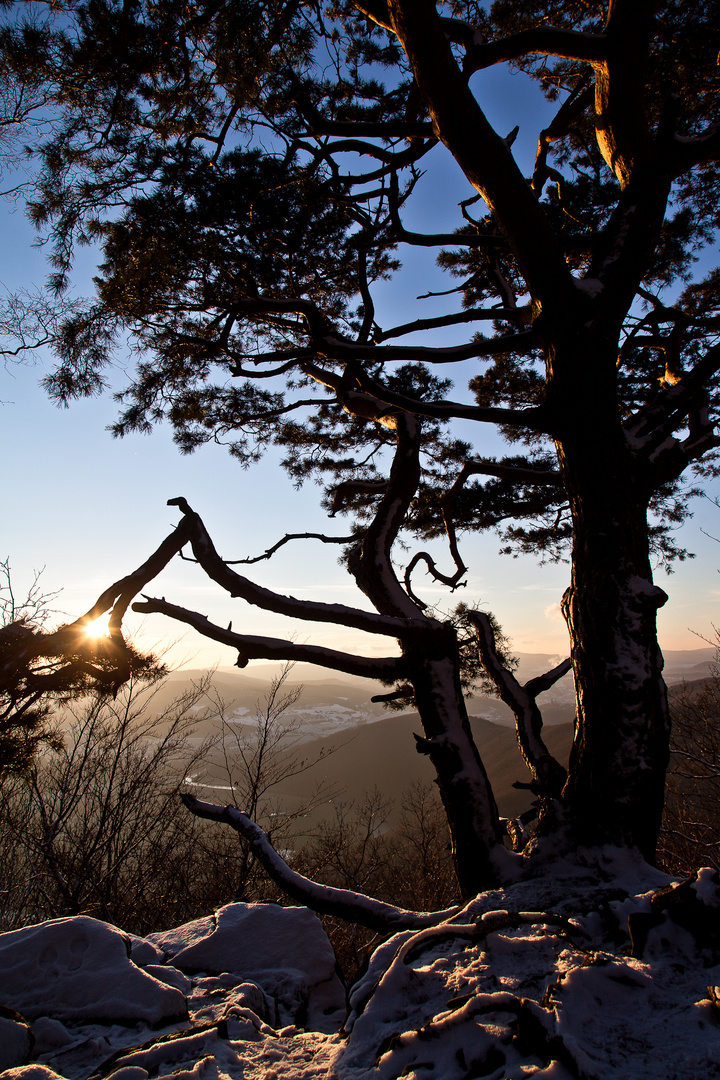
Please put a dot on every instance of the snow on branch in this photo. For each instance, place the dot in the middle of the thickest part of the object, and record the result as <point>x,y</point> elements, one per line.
<point>342,903</point>
<point>252,647</point>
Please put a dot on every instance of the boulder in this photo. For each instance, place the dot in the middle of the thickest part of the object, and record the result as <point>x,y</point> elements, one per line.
<point>16,1039</point>
<point>285,950</point>
<point>78,969</point>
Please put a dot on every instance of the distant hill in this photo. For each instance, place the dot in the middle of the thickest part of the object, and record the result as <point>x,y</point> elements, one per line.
<point>382,755</point>
<point>363,746</point>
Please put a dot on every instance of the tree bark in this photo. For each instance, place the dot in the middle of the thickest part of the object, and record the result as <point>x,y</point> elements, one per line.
<point>615,788</point>
<point>478,852</point>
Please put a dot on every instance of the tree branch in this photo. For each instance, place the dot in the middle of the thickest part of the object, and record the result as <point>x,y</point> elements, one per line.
<point>370,562</point>
<point>286,540</point>
<point>484,157</point>
<point>687,153</point>
<point>534,418</point>
<point>653,425</point>
<point>522,315</point>
<point>238,586</point>
<point>545,40</point>
<point>252,647</point>
<point>548,775</point>
<point>342,903</point>
<point>68,640</point>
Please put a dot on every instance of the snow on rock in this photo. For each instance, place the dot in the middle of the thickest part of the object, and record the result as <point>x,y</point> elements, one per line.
<point>30,1072</point>
<point>284,950</point>
<point>591,968</point>
<point>50,1035</point>
<point>79,969</point>
<point>529,990</point>
<point>143,952</point>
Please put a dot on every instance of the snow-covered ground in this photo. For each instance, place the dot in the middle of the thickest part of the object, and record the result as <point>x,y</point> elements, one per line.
<point>597,969</point>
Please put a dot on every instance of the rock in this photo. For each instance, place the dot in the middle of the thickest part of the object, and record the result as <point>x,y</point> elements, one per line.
<point>78,969</point>
<point>283,949</point>
<point>683,922</point>
<point>143,952</point>
<point>32,1072</point>
<point>49,1035</point>
<point>169,975</point>
<point>16,1039</point>
<point>174,941</point>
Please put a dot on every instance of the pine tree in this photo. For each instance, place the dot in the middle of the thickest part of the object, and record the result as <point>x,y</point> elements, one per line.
<point>246,167</point>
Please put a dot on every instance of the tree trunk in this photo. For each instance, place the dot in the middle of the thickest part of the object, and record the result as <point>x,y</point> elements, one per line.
<point>464,786</point>
<point>615,788</point>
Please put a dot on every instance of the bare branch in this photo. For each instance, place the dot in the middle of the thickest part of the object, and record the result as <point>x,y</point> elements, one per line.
<point>548,775</point>
<point>522,315</point>
<point>453,581</point>
<point>252,647</point>
<point>342,903</point>
<point>238,586</point>
<point>541,683</point>
<point>286,540</point>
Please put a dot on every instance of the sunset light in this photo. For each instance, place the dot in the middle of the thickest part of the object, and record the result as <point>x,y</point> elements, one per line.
<point>98,628</point>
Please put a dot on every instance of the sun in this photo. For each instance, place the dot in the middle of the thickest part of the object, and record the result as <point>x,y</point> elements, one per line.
<point>98,628</point>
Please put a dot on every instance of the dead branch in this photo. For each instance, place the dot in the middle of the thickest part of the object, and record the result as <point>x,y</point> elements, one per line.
<point>325,900</point>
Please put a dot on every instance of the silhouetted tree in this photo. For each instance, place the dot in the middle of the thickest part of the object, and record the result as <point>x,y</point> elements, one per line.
<point>247,167</point>
<point>42,666</point>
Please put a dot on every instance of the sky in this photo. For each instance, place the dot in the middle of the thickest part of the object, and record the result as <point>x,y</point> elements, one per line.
<point>86,508</point>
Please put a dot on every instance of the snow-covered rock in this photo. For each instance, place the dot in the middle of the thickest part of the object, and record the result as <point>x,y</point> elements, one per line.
<point>541,980</point>
<point>79,969</point>
<point>16,1039</point>
<point>284,950</point>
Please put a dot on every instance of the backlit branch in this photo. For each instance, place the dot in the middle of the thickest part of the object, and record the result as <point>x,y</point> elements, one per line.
<point>219,571</point>
<point>253,647</point>
<point>286,540</point>
<point>521,315</point>
<point>534,418</point>
<point>68,653</point>
<point>473,468</point>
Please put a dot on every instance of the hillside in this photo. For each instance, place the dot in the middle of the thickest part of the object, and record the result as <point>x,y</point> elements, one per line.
<point>362,746</point>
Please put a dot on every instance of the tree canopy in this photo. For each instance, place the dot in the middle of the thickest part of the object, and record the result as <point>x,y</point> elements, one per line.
<point>246,168</point>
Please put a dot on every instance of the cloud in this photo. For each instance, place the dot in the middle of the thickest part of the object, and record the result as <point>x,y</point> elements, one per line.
<point>554,613</point>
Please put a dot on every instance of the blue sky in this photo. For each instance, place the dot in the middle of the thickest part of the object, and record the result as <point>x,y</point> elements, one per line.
<point>90,508</point>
